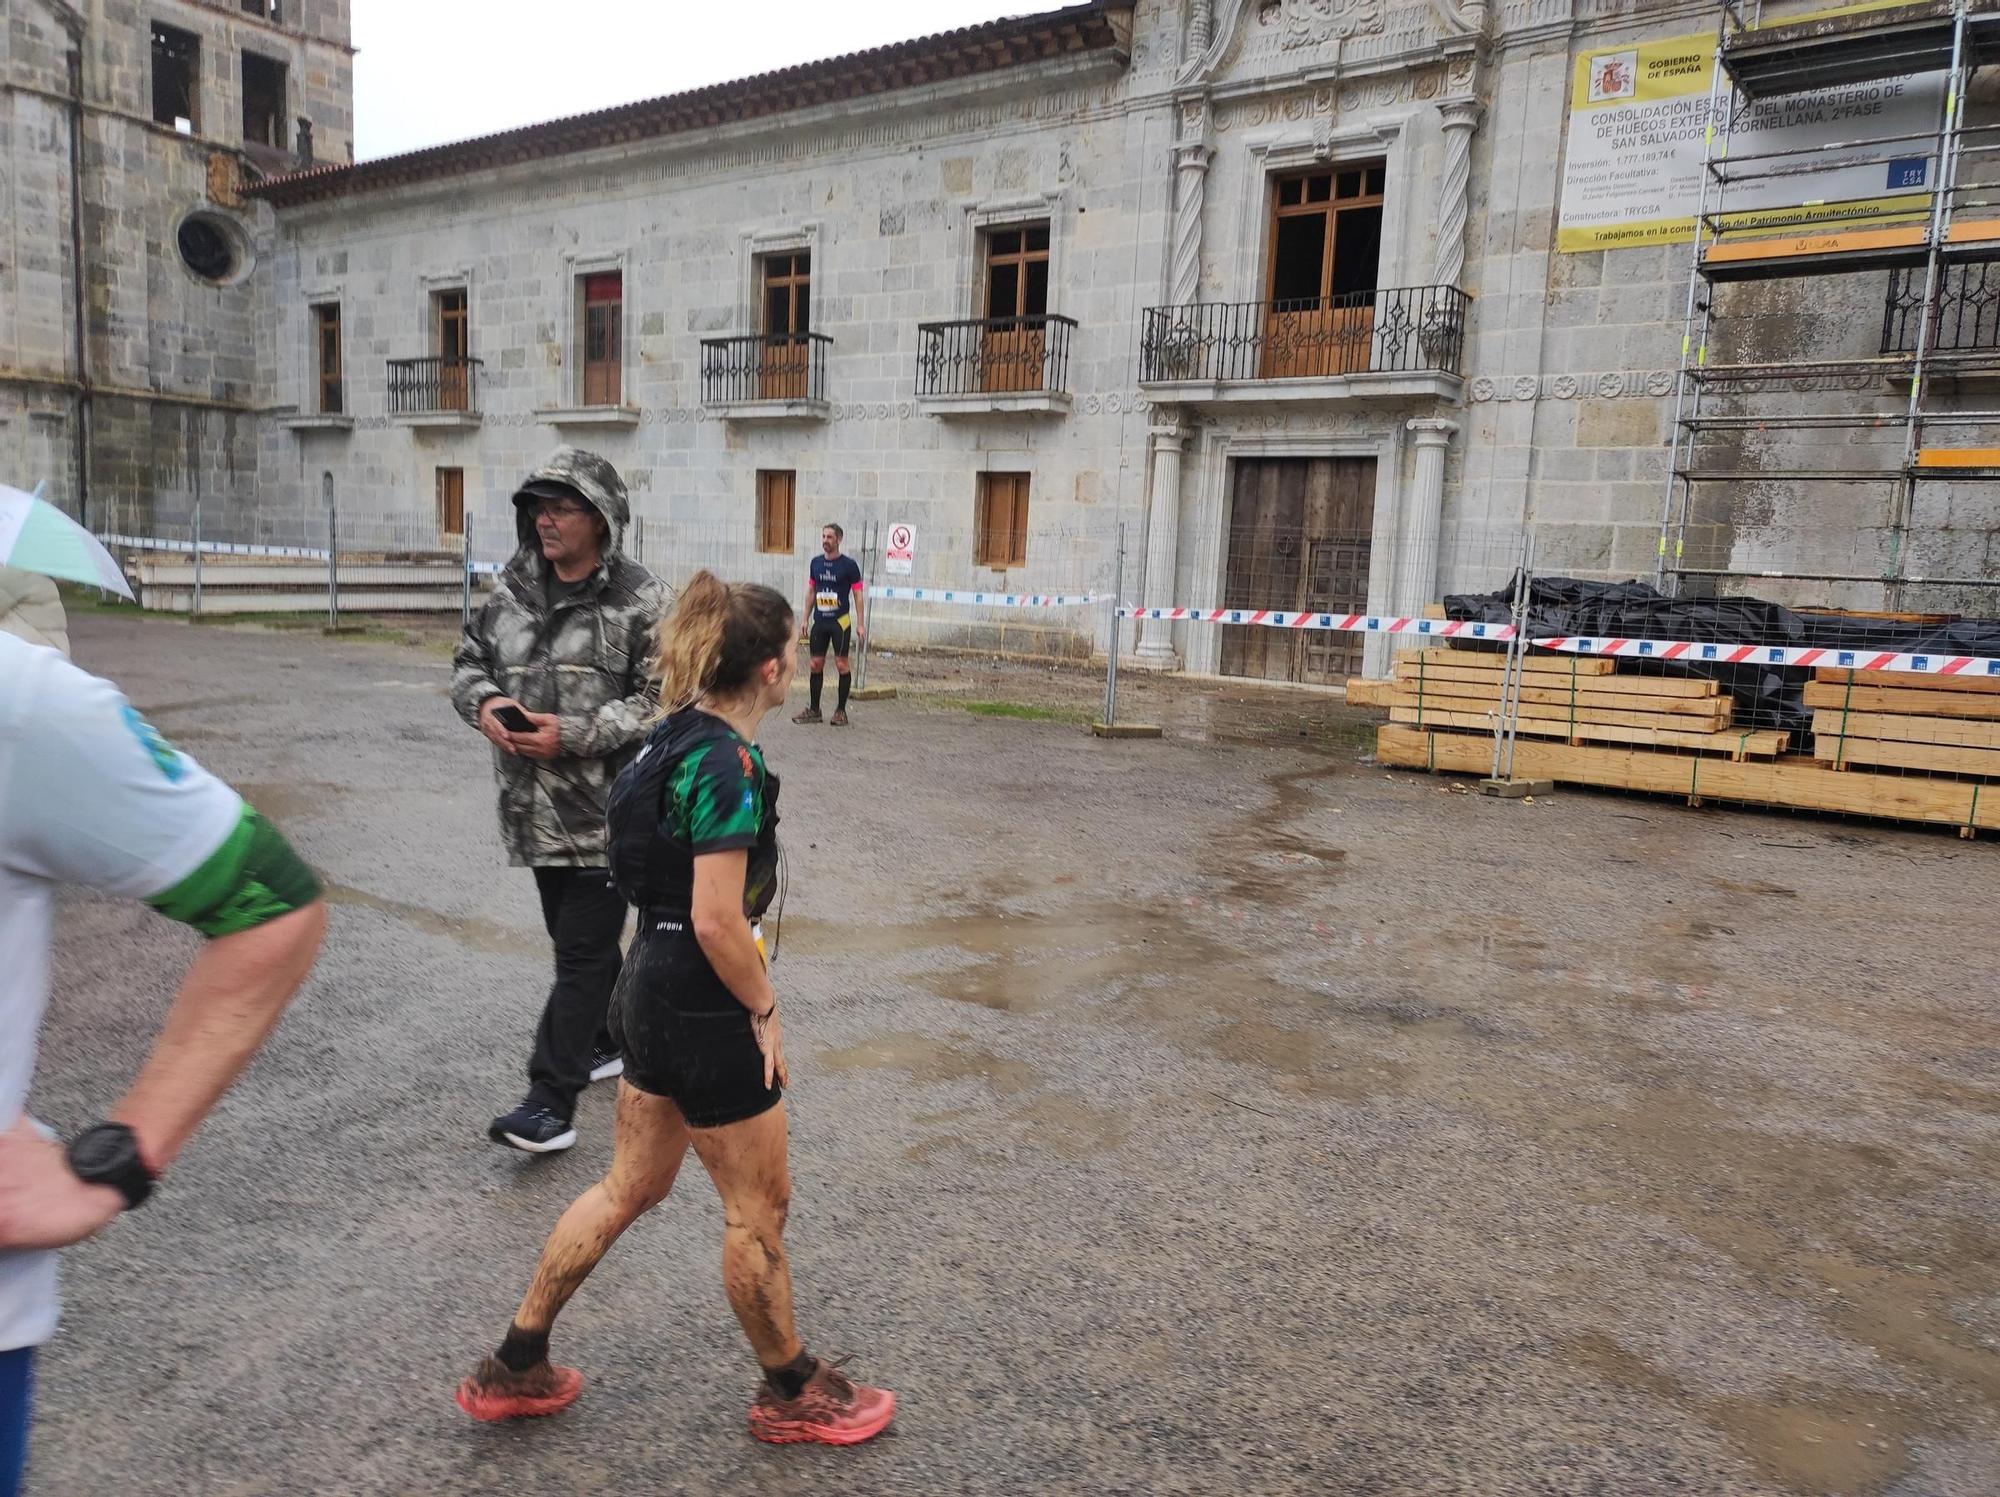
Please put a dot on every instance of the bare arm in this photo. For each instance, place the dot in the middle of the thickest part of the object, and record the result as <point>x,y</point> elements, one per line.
<point>724,934</point>
<point>227,1005</point>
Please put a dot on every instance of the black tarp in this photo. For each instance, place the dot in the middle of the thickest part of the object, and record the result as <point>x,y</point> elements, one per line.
<point>1766,696</point>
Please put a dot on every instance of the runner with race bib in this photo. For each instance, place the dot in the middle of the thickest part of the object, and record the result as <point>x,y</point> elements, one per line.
<point>833,604</point>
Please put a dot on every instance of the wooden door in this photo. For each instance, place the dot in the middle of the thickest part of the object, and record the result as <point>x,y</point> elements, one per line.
<point>1014,348</point>
<point>451,503</point>
<point>454,346</point>
<point>603,337</point>
<point>1299,540</point>
<point>786,356</point>
<point>1326,244</point>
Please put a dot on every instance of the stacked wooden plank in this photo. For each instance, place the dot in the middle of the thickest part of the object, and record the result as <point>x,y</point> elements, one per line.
<point>1579,699</point>
<point>1942,724</point>
<point>1886,744</point>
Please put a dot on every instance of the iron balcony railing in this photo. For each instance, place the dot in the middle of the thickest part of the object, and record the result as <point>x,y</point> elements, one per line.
<point>1968,310</point>
<point>772,366</point>
<point>1395,330</point>
<point>423,387</point>
<point>994,356</point>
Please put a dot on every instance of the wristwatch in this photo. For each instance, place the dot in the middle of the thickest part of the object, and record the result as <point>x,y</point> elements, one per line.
<point>109,1155</point>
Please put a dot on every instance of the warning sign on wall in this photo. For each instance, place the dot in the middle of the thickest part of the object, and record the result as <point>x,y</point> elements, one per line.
<point>900,555</point>
<point>1632,172</point>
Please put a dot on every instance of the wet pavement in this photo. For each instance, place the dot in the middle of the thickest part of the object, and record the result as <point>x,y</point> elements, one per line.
<point>1204,1116</point>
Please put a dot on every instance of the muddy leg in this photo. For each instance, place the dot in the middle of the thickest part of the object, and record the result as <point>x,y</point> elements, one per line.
<point>649,1143</point>
<point>747,1162</point>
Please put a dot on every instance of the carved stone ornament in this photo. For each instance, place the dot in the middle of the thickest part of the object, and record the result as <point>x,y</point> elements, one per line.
<point>1314,23</point>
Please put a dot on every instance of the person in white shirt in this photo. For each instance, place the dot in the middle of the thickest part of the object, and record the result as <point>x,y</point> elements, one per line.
<point>92,795</point>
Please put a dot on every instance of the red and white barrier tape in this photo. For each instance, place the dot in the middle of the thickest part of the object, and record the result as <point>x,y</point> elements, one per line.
<point>1931,663</point>
<point>1686,652</point>
<point>983,600</point>
<point>1349,623</point>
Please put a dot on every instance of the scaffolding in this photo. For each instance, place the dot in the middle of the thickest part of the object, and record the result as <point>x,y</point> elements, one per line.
<point>1940,220</point>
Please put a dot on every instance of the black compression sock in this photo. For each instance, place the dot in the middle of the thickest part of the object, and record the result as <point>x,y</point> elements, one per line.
<point>787,1381</point>
<point>845,681</point>
<point>818,677</point>
<point>523,1349</point>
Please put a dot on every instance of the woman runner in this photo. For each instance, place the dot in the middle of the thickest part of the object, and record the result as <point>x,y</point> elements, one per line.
<point>693,843</point>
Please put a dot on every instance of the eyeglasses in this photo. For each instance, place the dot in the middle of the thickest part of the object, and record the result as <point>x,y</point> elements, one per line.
<point>560,509</point>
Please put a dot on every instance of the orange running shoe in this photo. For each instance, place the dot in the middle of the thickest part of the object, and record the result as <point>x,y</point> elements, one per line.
<point>829,1409</point>
<point>494,1391</point>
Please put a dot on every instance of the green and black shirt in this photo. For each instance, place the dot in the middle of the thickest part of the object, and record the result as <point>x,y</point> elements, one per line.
<point>696,788</point>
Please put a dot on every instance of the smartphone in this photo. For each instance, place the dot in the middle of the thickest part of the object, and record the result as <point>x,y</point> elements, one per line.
<point>513,719</point>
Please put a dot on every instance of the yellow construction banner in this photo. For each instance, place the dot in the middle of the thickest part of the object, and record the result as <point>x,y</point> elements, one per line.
<point>1633,168</point>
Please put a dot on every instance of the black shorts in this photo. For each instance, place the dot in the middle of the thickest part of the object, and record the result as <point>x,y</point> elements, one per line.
<point>682,1032</point>
<point>827,632</point>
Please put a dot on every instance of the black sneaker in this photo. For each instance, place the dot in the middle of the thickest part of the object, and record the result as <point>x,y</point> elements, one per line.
<point>533,1129</point>
<point>604,1064</point>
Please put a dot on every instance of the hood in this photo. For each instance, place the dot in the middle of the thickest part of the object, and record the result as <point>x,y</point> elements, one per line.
<point>593,479</point>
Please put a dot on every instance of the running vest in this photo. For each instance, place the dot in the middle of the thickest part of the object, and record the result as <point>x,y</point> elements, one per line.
<point>695,788</point>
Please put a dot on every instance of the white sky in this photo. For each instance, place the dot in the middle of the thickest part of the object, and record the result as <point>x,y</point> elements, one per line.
<point>430,71</point>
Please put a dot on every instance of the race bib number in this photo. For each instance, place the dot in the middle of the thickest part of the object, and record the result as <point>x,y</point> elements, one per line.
<point>828,601</point>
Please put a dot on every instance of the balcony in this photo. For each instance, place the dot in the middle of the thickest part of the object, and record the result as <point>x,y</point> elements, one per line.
<point>1965,330</point>
<point>994,366</point>
<point>435,392</point>
<point>1397,343</point>
<point>768,377</point>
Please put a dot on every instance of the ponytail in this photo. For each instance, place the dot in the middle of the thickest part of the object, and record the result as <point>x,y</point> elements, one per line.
<point>716,637</point>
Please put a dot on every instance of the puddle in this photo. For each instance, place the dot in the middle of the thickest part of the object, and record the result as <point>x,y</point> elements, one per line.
<point>1811,1438</point>
<point>1061,1125</point>
<point>925,1059</point>
<point>1757,886</point>
<point>289,800</point>
<point>1304,1062</point>
<point>483,935</point>
<point>1779,1209</point>
<point>155,712</point>
<point>1025,963</point>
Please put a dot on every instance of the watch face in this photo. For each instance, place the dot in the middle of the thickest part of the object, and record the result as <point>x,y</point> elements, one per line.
<point>103,1151</point>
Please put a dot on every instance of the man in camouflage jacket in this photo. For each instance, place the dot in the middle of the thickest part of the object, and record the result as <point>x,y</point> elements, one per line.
<point>566,640</point>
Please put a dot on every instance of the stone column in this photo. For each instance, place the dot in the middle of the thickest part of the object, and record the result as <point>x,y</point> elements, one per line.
<point>1198,25</point>
<point>1190,192</point>
<point>1163,525</point>
<point>1461,118</point>
<point>1417,567</point>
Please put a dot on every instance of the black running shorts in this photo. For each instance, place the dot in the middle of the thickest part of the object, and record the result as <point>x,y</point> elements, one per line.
<point>827,632</point>
<point>682,1032</point>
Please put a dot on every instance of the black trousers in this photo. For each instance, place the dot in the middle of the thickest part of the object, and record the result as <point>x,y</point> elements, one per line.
<point>585,917</point>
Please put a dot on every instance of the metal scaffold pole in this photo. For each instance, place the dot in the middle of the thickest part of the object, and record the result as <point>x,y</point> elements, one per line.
<point>1696,321</point>
<point>1951,120</point>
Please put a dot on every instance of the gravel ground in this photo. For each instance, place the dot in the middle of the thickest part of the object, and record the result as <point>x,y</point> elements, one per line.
<point>1215,1115</point>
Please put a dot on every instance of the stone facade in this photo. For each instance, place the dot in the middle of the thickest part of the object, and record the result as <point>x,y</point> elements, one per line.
<point>162,400</point>
<point>1151,164</point>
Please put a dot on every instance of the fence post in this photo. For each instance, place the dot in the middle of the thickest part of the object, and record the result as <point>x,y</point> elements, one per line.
<point>194,597</point>
<point>465,573</point>
<point>1507,726</point>
<point>1111,655</point>
<point>332,553</point>
<point>869,537</point>
<point>1111,727</point>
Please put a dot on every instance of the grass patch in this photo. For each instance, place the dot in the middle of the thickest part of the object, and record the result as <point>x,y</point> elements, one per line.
<point>1022,711</point>
<point>78,598</point>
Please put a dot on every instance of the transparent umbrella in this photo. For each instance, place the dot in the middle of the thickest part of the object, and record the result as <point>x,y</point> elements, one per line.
<point>37,537</point>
